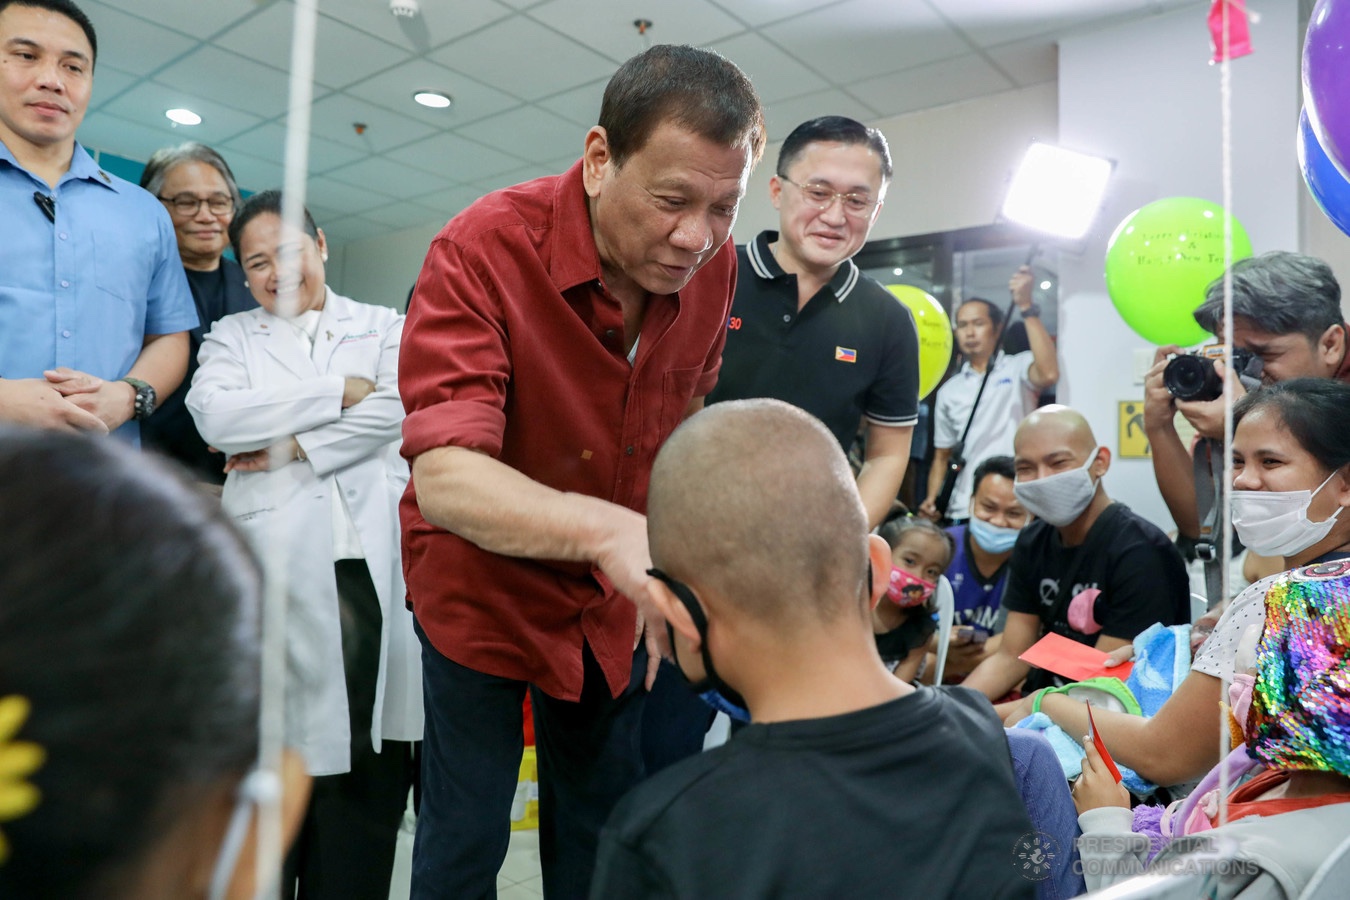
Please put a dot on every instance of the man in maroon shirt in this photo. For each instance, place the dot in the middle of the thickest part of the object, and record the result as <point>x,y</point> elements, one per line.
<point>559,332</point>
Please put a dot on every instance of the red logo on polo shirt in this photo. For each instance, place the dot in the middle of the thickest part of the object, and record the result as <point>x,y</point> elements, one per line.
<point>734,323</point>
<point>845,354</point>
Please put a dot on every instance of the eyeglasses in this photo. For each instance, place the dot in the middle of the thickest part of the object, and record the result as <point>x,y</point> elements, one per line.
<point>189,204</point>
<point>821,197</point>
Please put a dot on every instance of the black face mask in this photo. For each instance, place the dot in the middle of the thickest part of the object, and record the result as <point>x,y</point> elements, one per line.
<point>714,691</point>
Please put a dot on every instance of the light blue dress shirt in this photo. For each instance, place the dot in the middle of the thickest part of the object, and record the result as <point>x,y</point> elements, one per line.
<point>84,291</point>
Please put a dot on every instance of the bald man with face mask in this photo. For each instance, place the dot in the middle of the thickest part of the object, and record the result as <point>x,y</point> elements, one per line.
<point>1088,568</point>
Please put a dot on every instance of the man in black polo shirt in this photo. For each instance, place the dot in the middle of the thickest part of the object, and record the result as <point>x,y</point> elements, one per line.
<point>807,326</point>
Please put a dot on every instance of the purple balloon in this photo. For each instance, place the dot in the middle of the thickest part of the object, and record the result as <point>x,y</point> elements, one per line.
<point>1326,79</point>
<point>1325,182</point>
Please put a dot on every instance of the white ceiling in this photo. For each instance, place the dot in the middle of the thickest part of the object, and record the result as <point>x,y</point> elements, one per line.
<point>527,77</point>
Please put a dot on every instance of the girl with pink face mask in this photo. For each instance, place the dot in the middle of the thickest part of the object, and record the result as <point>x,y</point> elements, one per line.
<point>903,620</point>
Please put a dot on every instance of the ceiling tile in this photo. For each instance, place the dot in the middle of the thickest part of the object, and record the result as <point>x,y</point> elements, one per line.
<point>393,89</point>
<point>524,58</point>
<point>455,157</point>
<point>450,201</point>
<point>347,199</point>
<point>253,173</point>
<point>580,104</point>
<point>268,141</point>
<point>786,115</point>
<point>334,116</point>
<point>389,177</point>
<point>775,74</point>
<point>104,131</point>
<point>762,12</point>
<point>108,83</point>
<point>514,177</point>
<point>607,27</point>
<point>860,39</point>
<point>344,55</point>
<point>531,133</point>
<point>230,79</point>
<point>404,215</point>
<point>131,44</point>
<point>439,23</point>
<point>351,228</point>
<point>147,101</point>
<point>989,22</point>
<point>199,19</point>
<point>1035,61</point>
<point>932,85</point>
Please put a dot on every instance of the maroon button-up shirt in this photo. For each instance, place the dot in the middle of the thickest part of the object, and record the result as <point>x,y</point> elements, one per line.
<point>513,347</point>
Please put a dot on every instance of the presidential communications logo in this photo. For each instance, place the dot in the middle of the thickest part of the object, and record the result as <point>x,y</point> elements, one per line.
<point>1035,853</point>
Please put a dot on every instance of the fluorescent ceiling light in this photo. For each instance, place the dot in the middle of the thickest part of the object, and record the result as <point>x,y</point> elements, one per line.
<point>433,99</point>
<point>1057,191</point>
<point>182,117</point>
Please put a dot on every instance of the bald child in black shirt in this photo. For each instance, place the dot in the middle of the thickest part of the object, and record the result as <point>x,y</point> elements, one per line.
<point>848,782</point>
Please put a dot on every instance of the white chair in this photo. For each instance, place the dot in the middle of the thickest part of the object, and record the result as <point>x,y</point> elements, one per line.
<point>945,600</point>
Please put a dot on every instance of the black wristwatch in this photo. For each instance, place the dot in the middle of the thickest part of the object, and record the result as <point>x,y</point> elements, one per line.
<point>145,398</point>
<point>1033,311</point>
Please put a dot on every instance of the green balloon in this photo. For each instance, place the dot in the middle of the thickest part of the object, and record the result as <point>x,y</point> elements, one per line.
<point>1159,262</point>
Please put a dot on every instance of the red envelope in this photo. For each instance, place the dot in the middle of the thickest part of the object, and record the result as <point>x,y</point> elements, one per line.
<point>1074,661</point>
<point>1101,747</point>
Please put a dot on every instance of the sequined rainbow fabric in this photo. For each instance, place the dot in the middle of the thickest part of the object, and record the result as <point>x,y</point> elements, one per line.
<point>1300,715</point>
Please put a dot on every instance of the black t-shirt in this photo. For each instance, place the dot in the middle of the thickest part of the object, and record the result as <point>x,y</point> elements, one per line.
<point>914,797</point>
<point>852,352</point>
<point>910,634</point>
<point>1136,567</point>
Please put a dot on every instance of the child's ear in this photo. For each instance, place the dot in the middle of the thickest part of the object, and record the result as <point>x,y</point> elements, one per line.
<point>675,612</point>
<point>879,558</point>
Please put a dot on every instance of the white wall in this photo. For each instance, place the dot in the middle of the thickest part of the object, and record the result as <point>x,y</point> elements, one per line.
<point>381,269</point>
<point>951,163</point>
<point>1144,95</point>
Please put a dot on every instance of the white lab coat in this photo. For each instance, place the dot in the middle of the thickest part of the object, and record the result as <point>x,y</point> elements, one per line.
<point>255,386</point>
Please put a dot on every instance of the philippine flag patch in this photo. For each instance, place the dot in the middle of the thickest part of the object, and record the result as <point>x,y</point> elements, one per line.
<point>844,354</point>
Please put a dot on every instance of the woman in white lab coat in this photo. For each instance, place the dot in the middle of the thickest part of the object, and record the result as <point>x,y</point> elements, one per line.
<point>306,408</point>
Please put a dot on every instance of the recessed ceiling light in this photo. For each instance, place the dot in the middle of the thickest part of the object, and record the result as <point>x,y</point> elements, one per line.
<point>1045,285</point>
<point>183,117</point>
<point>433,99</point>
<point>898,270</point>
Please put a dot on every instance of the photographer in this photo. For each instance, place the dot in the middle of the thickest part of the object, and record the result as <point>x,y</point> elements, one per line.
<point>1287,313</point>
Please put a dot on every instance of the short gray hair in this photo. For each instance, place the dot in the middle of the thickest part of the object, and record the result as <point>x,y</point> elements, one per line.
<point>1280,292</point>
<point>166,158</point>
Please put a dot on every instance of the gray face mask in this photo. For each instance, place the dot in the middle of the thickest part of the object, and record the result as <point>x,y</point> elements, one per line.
<point>1059,498</point>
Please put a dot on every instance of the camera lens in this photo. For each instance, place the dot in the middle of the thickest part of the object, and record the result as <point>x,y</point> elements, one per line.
<point>1192,378</point>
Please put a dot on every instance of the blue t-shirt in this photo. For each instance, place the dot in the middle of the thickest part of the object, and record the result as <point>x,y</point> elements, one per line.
<point>85,290</point>
<point>977,599</point>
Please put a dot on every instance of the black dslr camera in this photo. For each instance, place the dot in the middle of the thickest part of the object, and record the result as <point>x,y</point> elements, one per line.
<point>1192,376</point>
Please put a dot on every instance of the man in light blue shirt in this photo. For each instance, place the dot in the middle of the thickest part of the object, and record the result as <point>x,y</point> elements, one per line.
<point>94,306</point>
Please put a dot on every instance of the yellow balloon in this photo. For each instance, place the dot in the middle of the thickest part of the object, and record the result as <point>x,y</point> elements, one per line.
<point>935,334</point>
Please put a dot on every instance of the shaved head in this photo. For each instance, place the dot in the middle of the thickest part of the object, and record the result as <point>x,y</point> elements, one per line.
<point>754,500</point>
<point>1057,424</point>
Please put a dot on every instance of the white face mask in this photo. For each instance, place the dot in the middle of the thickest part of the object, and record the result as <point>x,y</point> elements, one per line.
<point>1275,523</point>
<point>1059,498</point>
<point>258,788</point>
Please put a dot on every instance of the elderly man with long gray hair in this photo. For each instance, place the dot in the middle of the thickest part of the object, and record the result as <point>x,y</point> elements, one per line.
<point>198,189</point>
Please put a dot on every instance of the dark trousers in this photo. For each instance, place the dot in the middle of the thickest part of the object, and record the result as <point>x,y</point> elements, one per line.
<point>588,754</point>
<point>674,722</point>
<point>345,849</point>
